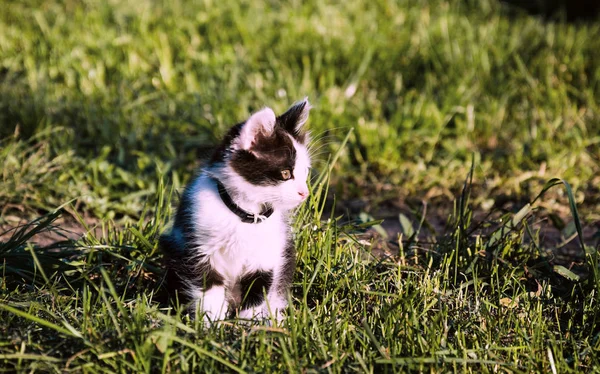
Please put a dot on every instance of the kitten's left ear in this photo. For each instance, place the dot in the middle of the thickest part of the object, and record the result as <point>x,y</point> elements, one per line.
<point>295,117</point>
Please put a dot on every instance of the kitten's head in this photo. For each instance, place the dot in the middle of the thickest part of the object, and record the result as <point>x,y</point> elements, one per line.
<point>266,158</point>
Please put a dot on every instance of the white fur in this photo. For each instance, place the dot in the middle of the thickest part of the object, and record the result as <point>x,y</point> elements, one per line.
<point>213,302</point>
<point>272,306</point>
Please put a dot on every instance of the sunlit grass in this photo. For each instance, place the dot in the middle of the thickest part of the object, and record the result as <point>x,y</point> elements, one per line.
<point>106,109</point>
<point>425,85</point>
<point>472,303</point>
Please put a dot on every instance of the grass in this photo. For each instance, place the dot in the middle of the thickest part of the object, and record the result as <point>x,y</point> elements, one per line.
<point>464,303</point>
<point>471,107</point>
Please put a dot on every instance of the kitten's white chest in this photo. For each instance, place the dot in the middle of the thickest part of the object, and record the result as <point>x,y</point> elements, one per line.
<point>246,247</point>
<point>234,247</point>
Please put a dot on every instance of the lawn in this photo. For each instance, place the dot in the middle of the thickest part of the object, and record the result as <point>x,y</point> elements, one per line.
<point>470,127</point>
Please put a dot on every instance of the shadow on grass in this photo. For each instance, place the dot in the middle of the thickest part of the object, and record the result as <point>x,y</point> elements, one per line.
<point>92,126</point>
<point>65,266</point>
<point>570,10</point>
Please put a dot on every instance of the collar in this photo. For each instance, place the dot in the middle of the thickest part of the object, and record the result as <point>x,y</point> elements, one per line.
<point>245,216</point>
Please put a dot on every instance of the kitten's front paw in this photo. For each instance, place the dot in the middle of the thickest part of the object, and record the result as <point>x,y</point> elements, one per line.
<point>210,304</point>
<point>252,314</point>
<point>270,314</point>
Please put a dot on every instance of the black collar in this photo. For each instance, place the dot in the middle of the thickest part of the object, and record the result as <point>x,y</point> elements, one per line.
<point>246,217</point>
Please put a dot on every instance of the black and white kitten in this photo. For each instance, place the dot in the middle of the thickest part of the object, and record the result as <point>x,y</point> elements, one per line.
<point>231,242</point>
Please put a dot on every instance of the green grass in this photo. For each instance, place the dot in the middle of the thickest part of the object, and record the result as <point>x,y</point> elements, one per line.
<point>106,109</point>
<point>463,303</point>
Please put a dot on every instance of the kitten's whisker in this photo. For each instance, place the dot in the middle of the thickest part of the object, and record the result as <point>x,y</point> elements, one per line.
<point>320,146</point>
<point>324,140</point>
<point>313,149</point>
<point>320,154</point>
<point>319,150</point>
<point>327,134</point>
<point>328,130</point>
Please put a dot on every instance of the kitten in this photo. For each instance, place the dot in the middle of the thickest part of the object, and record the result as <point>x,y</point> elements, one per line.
<point>231,244</point>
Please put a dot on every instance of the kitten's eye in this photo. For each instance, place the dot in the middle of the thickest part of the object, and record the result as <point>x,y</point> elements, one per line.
<point>286,174</point>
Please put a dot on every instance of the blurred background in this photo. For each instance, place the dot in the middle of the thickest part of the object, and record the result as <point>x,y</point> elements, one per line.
<point>99,100</point>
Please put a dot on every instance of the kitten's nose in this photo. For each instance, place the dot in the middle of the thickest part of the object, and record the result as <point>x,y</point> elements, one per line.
<point>303,194</point>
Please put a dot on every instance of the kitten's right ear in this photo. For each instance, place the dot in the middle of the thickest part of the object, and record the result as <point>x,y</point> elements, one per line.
<point>262,121</point>
<point>295,117</point>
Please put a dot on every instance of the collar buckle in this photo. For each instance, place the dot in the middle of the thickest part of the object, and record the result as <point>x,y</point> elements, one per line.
<point>245,216</point>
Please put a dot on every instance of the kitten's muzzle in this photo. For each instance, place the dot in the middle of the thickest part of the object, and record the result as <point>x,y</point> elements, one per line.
<point>303,192</point>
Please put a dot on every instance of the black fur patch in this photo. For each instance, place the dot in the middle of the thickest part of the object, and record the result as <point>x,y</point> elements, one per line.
<point>253,286</point>
<point>267,157</point>
<point>287,271</point>
<point>289,122</point>
<point>269,154</point>
<point>182,271</point>
<point>221,151</point>
<point>181,274</point>
<point>184,217</point>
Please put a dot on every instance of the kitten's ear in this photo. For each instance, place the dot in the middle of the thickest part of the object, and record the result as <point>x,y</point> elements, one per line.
<point>260,122</point>
<point>295,117</point>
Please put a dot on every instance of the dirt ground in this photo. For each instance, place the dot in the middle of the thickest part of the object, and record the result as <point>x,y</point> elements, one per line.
<point>385,237</point>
